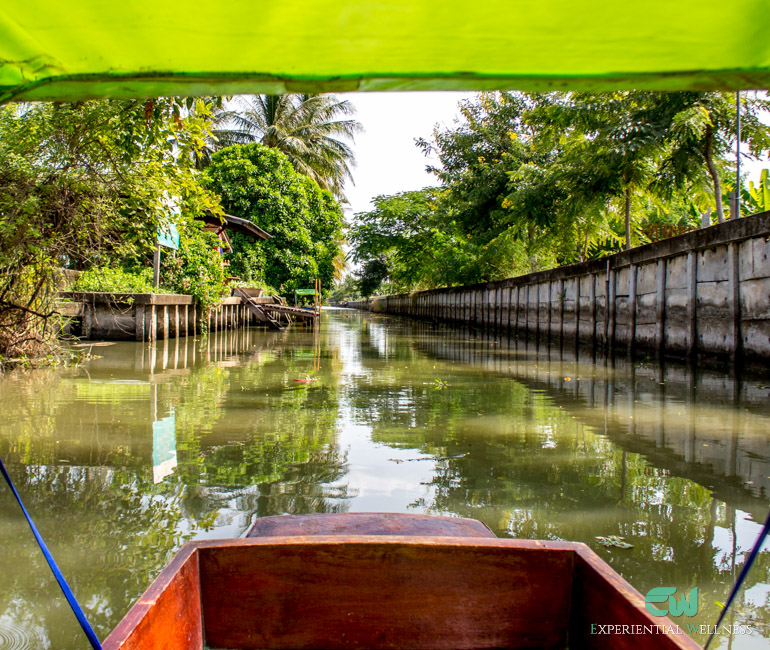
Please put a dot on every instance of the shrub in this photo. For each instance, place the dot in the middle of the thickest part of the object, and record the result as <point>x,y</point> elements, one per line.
<point>115,280</point>
<point>196,268</point>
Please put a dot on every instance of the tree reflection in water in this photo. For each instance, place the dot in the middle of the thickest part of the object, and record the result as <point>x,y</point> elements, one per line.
<point>534,441</point>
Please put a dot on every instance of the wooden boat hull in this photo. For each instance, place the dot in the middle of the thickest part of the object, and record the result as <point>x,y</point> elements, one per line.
<point>368,523</point>
<point>344,592</point>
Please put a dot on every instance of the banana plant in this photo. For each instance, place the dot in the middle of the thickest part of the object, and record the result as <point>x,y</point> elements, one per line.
<point>759,197</point>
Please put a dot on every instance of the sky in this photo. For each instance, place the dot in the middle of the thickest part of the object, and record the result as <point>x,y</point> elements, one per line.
<point>388,160</point>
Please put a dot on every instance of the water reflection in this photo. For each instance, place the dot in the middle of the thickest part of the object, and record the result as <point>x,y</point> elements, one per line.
<point>121,461</point>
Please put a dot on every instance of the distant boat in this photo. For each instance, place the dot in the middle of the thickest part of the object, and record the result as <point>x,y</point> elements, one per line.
<point>343,581</point>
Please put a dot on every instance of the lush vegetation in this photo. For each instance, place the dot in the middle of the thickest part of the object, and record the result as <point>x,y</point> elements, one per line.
<point>533,181</point>
<point>114,280</point>
<point>312,130</point>
<point>260,183</point>
<point>87,185</point>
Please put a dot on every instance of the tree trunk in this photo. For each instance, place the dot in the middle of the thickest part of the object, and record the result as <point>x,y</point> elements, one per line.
<point>628,217</point>
<point>714,176</point>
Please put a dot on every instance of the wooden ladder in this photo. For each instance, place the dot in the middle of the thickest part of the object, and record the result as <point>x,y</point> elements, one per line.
<point>254,307</point>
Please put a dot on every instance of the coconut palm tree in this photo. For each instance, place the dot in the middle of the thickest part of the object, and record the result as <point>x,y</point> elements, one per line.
<point>309,129</point>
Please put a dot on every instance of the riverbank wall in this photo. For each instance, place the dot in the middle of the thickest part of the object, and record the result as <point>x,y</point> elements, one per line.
<point>705,293</point>
<point>149,316</point>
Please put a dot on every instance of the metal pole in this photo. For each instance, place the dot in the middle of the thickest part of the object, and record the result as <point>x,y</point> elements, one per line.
<point>737,212</point>
<point>156,268</point>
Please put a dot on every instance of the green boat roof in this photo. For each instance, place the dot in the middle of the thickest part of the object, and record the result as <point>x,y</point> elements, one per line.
<point>80,49</point>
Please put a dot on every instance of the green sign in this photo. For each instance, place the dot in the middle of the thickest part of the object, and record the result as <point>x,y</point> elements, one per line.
<point>168,236</point>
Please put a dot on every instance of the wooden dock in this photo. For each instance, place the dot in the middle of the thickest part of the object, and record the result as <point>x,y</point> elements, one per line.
<point>152,317</point>
<point>272,311</point>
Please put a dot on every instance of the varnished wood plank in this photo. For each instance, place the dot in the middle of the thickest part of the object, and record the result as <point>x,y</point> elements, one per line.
<point>321,592</point>
<point>368,523</point>
<point>600,598</point>
<point>340,592</point>
<point>168,615</point>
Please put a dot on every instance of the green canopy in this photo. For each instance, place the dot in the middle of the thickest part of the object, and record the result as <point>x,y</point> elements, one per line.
<point>69,49</point>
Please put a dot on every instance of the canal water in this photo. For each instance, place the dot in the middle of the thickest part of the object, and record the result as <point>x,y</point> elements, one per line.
<point>146,446</point>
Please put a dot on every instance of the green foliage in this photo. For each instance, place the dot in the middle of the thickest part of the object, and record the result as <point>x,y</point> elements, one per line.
<point>255,284</point>
<point>259,183</point>
<point>307,128</point>
<point>84,184</point>
<point>760,195</point>
<point>196,268</point>
<point>114,280</point>
<point>347,289</point>
<point>531,181</point>
<point>410,241</point>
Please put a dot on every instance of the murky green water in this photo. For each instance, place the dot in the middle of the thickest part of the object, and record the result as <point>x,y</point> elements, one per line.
<point>123,460</point>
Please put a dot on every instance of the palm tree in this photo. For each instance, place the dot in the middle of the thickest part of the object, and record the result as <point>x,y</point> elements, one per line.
<point>307,128</point>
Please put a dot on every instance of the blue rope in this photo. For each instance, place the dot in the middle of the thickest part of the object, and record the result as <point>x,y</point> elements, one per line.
<point>51,563</point>
<point>741,577</point>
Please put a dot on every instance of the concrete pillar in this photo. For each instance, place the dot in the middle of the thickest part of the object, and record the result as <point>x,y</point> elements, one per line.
<point>632,271</point>
<point>577,311</point>
<point>612,288</point>
<point>161,311</point>
<point>88,320</point>
<point>139,323</point>
<point>692,304</point>
<point>550,311</point>
<point>159,331</point>
<point>528,299</point>
<point>660,305</point>
<point>733,269</point>
<point>607,307</point>
<point>518,309</point>
<point>592,307</point>
<point>562,299</point>
<point>152,328</point>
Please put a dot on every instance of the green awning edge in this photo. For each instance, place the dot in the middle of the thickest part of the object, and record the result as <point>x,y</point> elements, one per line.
<point>128,86</point>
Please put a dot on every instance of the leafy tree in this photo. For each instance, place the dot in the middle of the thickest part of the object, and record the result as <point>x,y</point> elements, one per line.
<point>309,129</point>
<point>412,240</point>
<point>476,156</point>
<point>347,289</point>
<point>260,183</point>
<point>535,180</point>
<point>703,130</point>
<point>85,183</point>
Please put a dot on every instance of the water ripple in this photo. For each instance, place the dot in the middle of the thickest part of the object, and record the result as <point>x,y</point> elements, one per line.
<point>16,636</point>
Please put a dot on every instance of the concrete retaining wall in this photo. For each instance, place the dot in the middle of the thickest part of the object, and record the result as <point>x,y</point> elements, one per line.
<point>148,316</point>
<point>706,292</point>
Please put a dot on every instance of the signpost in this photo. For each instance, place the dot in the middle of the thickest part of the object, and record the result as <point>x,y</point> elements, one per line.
<point>168,237</point>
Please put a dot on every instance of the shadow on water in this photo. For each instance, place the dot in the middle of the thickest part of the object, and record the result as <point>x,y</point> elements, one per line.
<point>124,459</point>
